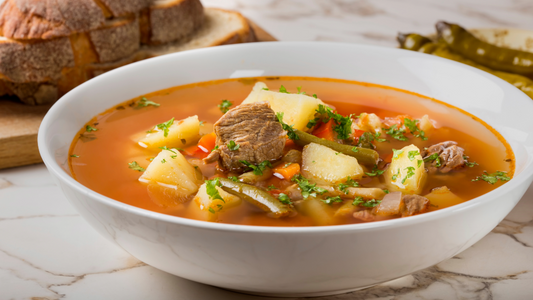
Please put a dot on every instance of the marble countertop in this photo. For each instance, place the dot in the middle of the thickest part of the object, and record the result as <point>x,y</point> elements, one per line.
<point>47,251</point>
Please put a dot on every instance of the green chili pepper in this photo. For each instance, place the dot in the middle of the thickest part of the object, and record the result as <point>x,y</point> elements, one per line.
<point>497,58</point>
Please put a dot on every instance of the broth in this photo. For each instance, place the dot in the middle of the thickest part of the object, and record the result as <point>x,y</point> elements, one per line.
<point>99,159</point>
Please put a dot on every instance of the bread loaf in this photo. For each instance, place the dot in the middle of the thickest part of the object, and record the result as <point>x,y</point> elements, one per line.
<point>39,71</point>
<point>48,19</point>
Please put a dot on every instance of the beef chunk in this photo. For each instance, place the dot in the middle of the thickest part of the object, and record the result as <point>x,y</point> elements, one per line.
<point>364,215</point>
<point>414,205</point>
<point>450,157</point>
<point>254,127</point>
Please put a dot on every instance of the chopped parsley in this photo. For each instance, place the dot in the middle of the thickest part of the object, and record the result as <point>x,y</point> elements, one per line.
<point>330,200</point>
<point>232,146</point>
<point>265,89</point>
<point>290,131</point>
<point>395,132</point>
<point>165,126</point>
<point>135,166</point>
<point>434,157</point>
<point>234,178</point>
<point>359,201</point>
<point>166,148</point>
<point>300,90</point>
<point>366,139</point>
<point>74,155</point>
<point>284,199</point>
<point>306,187</point>
<point>410,173</point>
<point>386,191</point>
<point>224,106</point>
<point>343,187</point>
<point>258,170</point>
<point>211,189</point>
<point>271,187</point>
<point>395,176</point>
<point>315,96</point>
<point>145,102</point>
<point>201,123</point>
<point>216,148</point>
<point>375,171</point>
<point>412,126</point>
<point>211,210</point>
<point>343,125</point>
<point>493,178</point>
<point>420,162</point>
<point>469,163</point>
<point>89,128</point>
<point>412,154</point>
<point>355,149</point>
<point>282,89</point>
<point>396,154</point>
<point>163,161</point>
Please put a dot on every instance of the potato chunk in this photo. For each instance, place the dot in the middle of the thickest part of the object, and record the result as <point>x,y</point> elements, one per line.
<point>170,169</point>
<point>442,197</point>
<point>368,122</point>
<point>406,172</point>
<point>215,205</point>
<point>181,134</point>
<point>323,165</point>
<point>297,109</point>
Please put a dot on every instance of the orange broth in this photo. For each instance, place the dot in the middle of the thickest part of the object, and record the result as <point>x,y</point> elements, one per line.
<point>103,155</point>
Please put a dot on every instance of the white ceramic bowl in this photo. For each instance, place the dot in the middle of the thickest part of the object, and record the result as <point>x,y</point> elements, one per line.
<point>295,261</point>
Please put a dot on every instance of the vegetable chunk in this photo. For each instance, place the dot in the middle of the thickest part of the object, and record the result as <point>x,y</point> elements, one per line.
<point>326,166</point>
<point>406,172</point>
<point>173,134</point>
<point>297,109</point>
<point>206,202</point>
<point>170,169</point>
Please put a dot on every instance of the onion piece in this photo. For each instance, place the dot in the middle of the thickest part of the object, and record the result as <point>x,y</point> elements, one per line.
<point>390,205</point>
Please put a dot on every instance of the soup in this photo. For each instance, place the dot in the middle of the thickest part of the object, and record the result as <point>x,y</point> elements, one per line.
<point>297,152</point>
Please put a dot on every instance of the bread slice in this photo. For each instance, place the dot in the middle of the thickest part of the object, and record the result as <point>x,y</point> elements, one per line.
<point>118,38</point>
<point>48,19</point>
<point>220,27</point>
<point>119,8</point>
<point>170,20</point>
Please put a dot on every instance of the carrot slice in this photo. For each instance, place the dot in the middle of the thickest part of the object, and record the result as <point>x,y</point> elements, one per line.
<point>287,171</point>
<point>208,141</point>
<point>325,131</point>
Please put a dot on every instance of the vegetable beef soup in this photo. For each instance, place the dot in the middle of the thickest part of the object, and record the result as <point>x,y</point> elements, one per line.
<point>289,151</point>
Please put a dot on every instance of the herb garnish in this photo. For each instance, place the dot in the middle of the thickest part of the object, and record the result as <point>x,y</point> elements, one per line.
<point>306,187</point>
<point>395,176</point>
<point>265,89</point>
<point>493,178</point>
<point>330,200</point>
<point>469,163</point>
<point>163,161</point>
<point>166,148</point>
<point>232,146</point>
<point>135,166</point>
<point>258,170</point>
<point>290,131</point>
<point>224,106</point>
<point>386,191</point>
<point>370,203</point>
<point>375,171</point>
<point>271,187</point>
<point>396,154</point>
<point>413,128</point>
<point>89,128</point>
<point>343,125</point>
<point>284,199</point>
<point>412,154</point>
<point>434,157</point>
<point>145,102</point>
<point>315,96</point>
<point>365,140</point>
<point>397,133</point>
<point>211,189</point>
<point>282,89</point>
<point>343,187</point>
<point>299,88</point>
<point>74,155</point>
<point>410,173</point>
<point>234,178</point>
<point>165,126</point>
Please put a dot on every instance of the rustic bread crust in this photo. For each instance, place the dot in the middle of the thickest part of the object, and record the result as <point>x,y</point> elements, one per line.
<point>125,7</point>
<point>34,62</point>
<point>87,66</point>
<point>48,19</point>
<point>171,20</point>
<point>119,38</point>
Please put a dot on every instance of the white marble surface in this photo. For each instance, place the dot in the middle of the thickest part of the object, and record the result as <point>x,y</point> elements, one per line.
<point>47,251</point>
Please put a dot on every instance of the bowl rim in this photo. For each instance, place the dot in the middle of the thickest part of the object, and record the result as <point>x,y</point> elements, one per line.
<point>61,175</point>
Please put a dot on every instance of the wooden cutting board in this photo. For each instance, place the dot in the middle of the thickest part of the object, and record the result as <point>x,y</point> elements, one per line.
<point>19,124</point>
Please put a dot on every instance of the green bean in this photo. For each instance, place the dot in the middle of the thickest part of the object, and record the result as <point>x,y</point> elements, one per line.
<point>412,41</point>
<point>252,178</point>
<point>363,155</point>
<point>293,156</point>
<point>255,196</point>
<point>497,58</point>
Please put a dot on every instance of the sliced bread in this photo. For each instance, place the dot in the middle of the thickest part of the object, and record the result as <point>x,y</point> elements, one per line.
<point>118,8</point>
<point>170,20</point>
<point>48,19</point>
